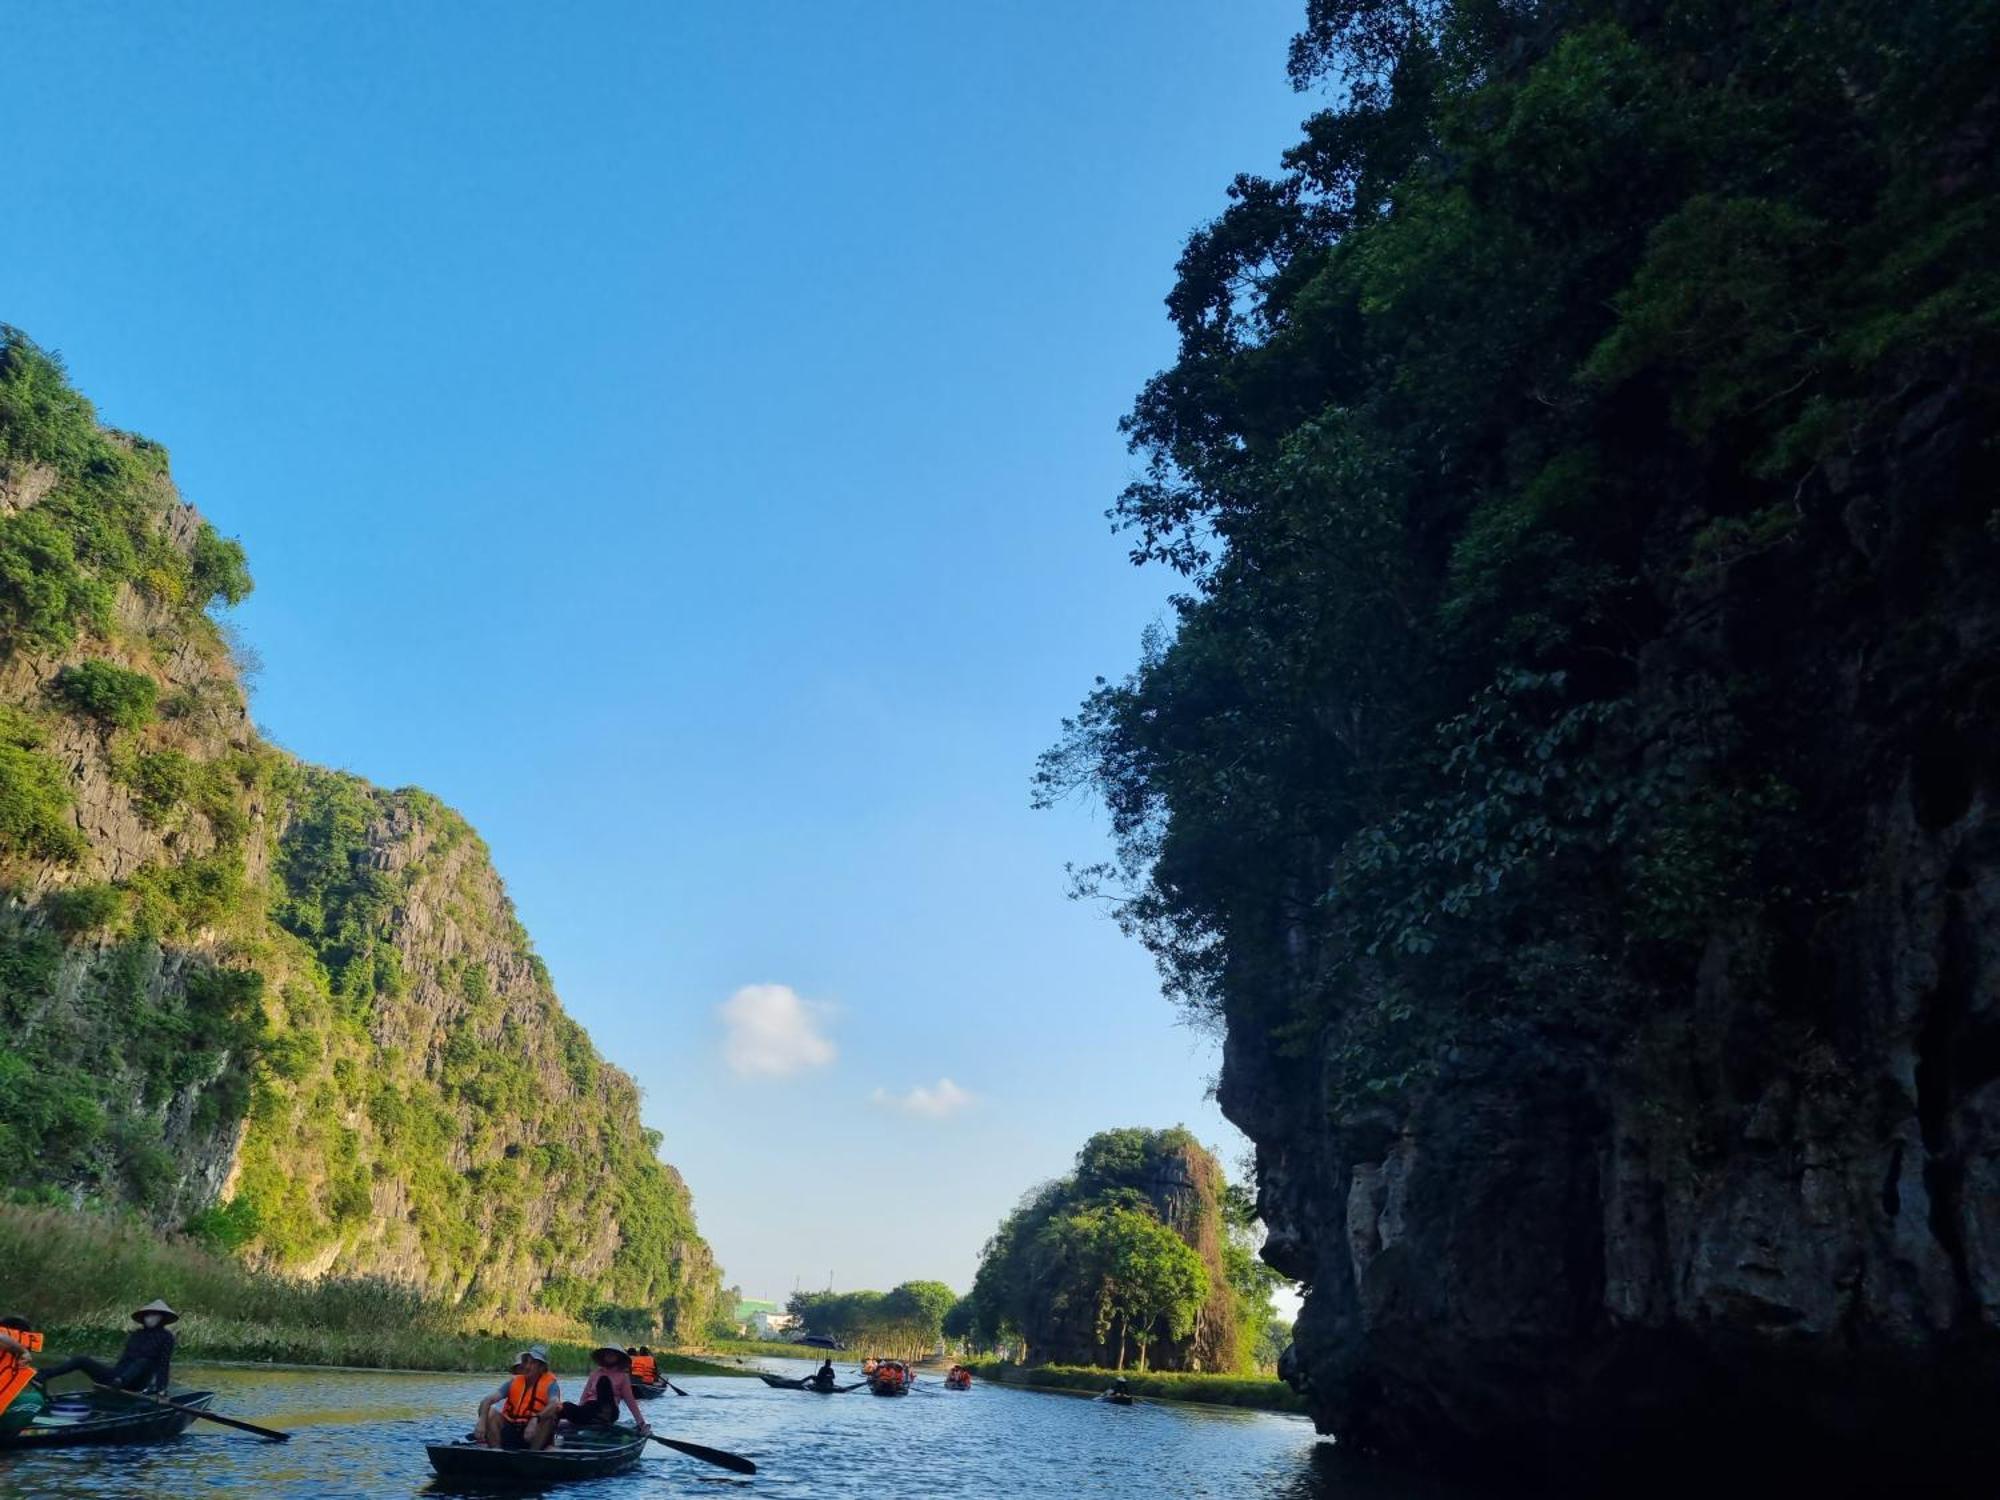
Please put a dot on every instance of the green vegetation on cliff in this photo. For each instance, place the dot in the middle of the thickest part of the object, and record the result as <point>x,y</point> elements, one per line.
<point>1144,1248</point>
<point>1567,319</point>
<point>288,1008</point>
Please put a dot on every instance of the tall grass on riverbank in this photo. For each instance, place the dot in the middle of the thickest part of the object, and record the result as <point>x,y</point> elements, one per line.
<point>777,1349</point>
<point>1215,1390</point>
<point>78,1276</point>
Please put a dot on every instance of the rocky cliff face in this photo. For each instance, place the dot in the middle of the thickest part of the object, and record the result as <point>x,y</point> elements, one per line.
<point>288,1007</point>
<point>1765,1205</point>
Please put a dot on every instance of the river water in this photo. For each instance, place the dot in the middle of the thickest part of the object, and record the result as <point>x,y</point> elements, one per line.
<point>357,1433</point>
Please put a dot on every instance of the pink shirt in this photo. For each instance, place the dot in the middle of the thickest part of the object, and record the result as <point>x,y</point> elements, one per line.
<point>620,1382</point>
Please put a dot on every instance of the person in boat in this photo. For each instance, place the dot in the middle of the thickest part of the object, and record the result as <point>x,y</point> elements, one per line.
<point>823,1378</point>
<point>609,1382</point>
<point>145,1364</point>
<point>644,1366</point>
<point>494,1398</point>
<point>522,1413</point>
<point>19,1344</point>
<point>1119,1391</point>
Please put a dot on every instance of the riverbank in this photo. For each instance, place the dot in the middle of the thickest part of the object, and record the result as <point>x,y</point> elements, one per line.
<point>771,1349</point>
<point>78,1276</point>
<point>1213,1390</point>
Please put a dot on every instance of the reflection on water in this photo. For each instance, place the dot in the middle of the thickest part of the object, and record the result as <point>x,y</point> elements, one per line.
<point>364,1434</point>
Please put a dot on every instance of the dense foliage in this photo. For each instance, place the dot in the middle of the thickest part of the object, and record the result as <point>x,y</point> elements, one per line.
<point>207,937</point>
<point>905,1323</point>
<point>1142,1245</point>
<point>1565,317</point>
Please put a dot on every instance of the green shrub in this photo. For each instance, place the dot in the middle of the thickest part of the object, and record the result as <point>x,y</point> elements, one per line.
<point>44,590</point>
<point>163,781</point>
<point>226,1227</point>
<point>109,693</point>
<point>84,908</point>
<point>34,806</point>
<point>219,569</point>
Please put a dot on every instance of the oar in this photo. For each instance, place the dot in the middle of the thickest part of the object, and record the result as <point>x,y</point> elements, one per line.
<point>716,1456</point>
<point>671,1386</point>
<point>271,1433</point>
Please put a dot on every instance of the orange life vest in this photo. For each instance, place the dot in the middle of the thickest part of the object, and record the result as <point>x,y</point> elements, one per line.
<point>645,1367</point>
<point>27,1338</point>
<point>15,1373</point>
<point>525,1400</point>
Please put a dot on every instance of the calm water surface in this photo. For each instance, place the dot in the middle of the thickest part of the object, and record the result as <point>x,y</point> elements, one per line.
<point>363,1434</point>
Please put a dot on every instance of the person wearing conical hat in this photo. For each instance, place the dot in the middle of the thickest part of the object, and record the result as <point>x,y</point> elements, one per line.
<point>145,1364</point>
<point>608,1383</point>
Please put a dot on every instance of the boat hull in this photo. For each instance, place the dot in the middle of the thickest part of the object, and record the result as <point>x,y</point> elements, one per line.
<point>583,1455</point>
<point>649,1390</point>
<point>75,1418</point>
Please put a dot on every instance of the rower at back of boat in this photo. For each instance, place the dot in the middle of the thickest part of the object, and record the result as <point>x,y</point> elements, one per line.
<point>145,1364</point>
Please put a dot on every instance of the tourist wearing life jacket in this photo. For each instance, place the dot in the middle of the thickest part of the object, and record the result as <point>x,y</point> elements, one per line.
<point>522,1413</point>
<point>145,1364</point>
<point>19,1395</point>
<point>644,1366</point>
<point>609,1382</point>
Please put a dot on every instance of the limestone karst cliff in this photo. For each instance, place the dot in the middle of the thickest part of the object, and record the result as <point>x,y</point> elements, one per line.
<point>1570,775</point>
<point>238,991</point>
<point>1055,1276</point>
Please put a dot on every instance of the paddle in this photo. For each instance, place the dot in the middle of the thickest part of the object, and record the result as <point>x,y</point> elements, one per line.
<point>270,1433</point>
<point>671,1386</point>
<point>716,1456</point>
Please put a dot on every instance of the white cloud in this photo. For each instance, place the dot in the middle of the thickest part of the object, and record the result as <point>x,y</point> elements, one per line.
<point>771,1031</point>
<point>947,1098</point>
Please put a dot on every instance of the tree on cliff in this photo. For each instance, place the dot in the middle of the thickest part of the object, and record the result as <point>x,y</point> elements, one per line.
<point>1566,316</point>
<point>1154,1282</point>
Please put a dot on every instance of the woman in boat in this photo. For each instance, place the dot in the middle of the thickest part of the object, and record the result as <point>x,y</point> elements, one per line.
<point>145,1364</point>
<point>522,1413</point>
<point>608,1383</point>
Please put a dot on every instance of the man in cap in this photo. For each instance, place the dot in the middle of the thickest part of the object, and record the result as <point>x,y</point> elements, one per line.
<point>146,1363</point>
<point>494,1398</point>
<point>522,1413</point>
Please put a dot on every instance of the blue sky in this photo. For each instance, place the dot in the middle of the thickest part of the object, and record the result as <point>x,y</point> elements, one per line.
<point>678,435</point>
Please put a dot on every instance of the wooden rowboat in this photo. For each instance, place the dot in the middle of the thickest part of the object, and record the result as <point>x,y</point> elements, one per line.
<point>891,1381</point>
<point>589,1454</point>
<point>73,1418</point>
<point>783,1383</point>
<point>649,1390</point>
